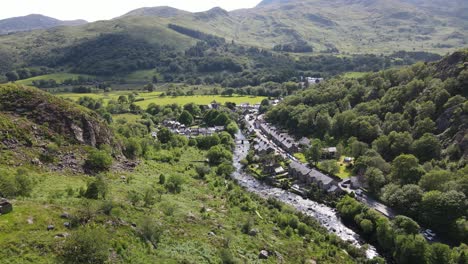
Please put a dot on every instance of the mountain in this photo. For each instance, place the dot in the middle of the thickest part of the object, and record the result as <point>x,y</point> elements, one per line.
<point>309,27</point>
<point>345,26</point>
<point>33,22</point>
<point>160,11</point>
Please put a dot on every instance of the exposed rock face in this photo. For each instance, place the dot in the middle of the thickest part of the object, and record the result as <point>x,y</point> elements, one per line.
<point>74,123</point>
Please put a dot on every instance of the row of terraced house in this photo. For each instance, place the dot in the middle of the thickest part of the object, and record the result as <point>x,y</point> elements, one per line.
<point>297,170</point>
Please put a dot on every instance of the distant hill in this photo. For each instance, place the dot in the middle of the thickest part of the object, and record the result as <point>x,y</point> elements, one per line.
<point>33,22</point>
<point>304,27</point>
<point>160,11</point>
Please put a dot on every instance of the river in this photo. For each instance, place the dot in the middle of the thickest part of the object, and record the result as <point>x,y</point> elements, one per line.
<point>324,214</point>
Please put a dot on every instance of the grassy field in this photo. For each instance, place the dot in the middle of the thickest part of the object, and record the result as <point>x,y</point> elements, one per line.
<point>344,172</point>
<point>354,74</point>
<point>154,97</point>
<point>59,77</point>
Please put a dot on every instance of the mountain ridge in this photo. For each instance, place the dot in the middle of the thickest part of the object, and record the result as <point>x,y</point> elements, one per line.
<point>34,22</point>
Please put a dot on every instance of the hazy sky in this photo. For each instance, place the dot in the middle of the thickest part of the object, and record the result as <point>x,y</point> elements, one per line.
<point>93,10</point>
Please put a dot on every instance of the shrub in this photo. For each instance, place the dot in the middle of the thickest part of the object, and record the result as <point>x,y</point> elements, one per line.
<point>98,160</point>
<point>87,245</point>
<point>96,189</point>
<point>150,231</point>
<point>174,184</point>
<point>202,171</point>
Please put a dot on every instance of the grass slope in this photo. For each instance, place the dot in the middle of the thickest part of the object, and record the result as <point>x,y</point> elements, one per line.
<point>186,238</point>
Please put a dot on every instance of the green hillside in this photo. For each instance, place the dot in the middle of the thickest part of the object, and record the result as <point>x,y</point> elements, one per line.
<point>407,129</point>
<point>155,201</point>
<point>33,22</point>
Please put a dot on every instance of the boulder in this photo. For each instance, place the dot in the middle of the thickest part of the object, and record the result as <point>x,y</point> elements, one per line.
<point>65,215</point>
<point>263,254</point>
<point>253,232</point>
<point>50,227</point>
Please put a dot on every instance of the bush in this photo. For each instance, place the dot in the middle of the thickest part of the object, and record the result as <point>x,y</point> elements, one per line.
<point>98,160</point>
<point>202,171</point>
<point>225,169</point>
<point>19,184</point>
<point>87,245</point>
<point>150,231</point>
<point>96,189</point>
<point>174,184</point>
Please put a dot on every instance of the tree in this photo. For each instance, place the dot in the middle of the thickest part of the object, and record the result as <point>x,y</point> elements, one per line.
<point>150,231</point>
<point>435,180</point>
<point>174,183</point>
<point>218,154</point>
<point>406,169</point>
<point>12,76</point>
<point>422,127</point>
<point>225,169</point>
<point>367,226</point>
<point>162,179</point>
<point>330,166</point>
<point>164,135</point>
<point>427,147</point>
<point>122,99</point>
<point>439,253</point>
<point>400,143</point>
<point>87,245</point>
<point>410,249</point>
<point>98,160</point>
<point>193,109</point>
<point>202,171</point>
<point>314,153</point>
<point>96,189</point>
<point>358,148</point>
<point>443,209</point>
<point>133,148</point>
<point>406,225</point>
<point>375,179</point>
<point>149,197</point>
<point>232,128</point>
<point>322,124</point>
<point>186,118</point>
<point>407,199</point>
<point>149,87</point>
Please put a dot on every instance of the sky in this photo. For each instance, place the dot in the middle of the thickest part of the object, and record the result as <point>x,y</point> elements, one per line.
<point>92,10</point>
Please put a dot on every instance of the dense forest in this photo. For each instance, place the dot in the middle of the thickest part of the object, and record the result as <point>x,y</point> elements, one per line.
<point>210,61</point>
<point>407,129</point>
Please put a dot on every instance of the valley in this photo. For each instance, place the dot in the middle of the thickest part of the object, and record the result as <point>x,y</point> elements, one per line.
<point>296,131</point>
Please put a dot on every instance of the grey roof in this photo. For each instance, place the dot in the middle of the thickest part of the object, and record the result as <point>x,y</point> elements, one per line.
<point>304,141</point>
<point>297,166</point>
<point>333,188</point>
<point>320,177</point>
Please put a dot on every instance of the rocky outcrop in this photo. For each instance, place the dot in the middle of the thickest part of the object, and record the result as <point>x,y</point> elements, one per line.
<point>74,123</point>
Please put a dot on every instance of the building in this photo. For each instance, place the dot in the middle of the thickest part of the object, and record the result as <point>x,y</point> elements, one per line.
<point>299,171</point>
<point>5,207</point>
<point>262,148</point>
<point>308,176</point>
<point>329,153</point>
<point>312,80</point>
<point>281,139</point>
<point>304,142</point>
<point>322,180</point>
